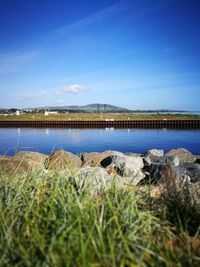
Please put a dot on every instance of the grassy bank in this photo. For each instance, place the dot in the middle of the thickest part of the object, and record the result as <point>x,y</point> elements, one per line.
<point>48,220</point>
<point>93,116</point>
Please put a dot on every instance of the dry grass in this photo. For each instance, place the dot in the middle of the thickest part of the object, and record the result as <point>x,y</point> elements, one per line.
<point>95,116</point>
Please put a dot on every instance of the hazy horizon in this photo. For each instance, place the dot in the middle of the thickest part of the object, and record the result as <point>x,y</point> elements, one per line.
<point>84,105</point>
<point>136,54</point>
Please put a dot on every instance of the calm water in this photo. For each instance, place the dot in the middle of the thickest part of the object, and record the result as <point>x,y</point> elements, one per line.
<point>80,140</point>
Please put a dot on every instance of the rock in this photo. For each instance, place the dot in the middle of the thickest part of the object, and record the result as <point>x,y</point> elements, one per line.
<point>165,169</point>
<point>155,153</point>
<point>183,155</point>
<point>125,166</point>
<point>34,159</point>
<point>132,154</point>
<point>29,155</point>
<point>194,190</point>
<point>106,162</point>
<point>95,179</point>
<point>197,159</point>
<point>166,159</point>
<point>112,152</point>
<point>160,161</point>
<point>192,170</point>
<point>130,180</point>
<point>150,160</point>
<point>22,163</point>
<point>94,158</point>
<point>18,167</point>
<point>60,160</point>
<point>147,162</point>
<point>156,172</point>
<point>172,160</point>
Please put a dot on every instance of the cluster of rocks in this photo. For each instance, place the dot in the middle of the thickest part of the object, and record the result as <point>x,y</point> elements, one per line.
<point>98,170</point>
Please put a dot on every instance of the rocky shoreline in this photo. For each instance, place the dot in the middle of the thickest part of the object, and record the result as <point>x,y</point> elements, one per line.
<point>171,175</point>
<point>150,200</point>
<point>99,169</point>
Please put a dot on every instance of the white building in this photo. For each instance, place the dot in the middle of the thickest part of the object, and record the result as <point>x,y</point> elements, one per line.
<point>46,113</point>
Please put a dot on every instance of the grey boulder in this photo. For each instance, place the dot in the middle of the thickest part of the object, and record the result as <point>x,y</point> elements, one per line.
<point>165,171</point>
<point>155,153</point>
<point>125,166</point>
<point>183,154</point>
<point>95,179</point>
<point>192,170</point>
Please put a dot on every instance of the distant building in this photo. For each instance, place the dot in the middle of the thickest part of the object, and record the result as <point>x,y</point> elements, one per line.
<point>46,113</point>
<point>17,112</point>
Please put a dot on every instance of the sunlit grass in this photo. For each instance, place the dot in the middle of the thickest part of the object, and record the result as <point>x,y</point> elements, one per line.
<point>47,220</point>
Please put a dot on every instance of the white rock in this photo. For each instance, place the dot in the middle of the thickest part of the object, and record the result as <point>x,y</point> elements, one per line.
<point>155,153</point>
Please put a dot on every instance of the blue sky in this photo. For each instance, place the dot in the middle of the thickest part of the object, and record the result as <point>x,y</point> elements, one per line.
<point>139,54</point>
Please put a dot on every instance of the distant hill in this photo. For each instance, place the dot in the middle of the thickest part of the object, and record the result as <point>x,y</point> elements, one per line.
<point>98,108</point>
<point>90,108</point>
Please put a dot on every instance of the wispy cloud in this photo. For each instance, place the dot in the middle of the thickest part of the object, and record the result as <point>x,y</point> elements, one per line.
<point>31,97</point>
<point>73,89</point>
<point>141,7</point>
<point>94,18</point>
<point>15,60</point>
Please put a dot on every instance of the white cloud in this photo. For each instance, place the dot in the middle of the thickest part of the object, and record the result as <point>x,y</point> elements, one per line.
<point>73,89</point>
<point>30,97</point>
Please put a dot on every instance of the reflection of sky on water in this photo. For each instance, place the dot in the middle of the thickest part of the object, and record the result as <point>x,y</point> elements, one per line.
<point>47,131</point>
<point>80,140</point>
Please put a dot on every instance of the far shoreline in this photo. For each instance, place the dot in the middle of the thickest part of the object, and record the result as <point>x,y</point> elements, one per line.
<point>109,122</point>
<point>95,116</point>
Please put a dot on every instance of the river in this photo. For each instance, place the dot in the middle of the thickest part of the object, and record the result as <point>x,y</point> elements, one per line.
<point>43,140</point>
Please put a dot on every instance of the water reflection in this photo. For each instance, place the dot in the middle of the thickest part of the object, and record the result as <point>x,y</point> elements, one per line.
<point>80,140</point>
<point>47,131</point>
<point>109,129</point>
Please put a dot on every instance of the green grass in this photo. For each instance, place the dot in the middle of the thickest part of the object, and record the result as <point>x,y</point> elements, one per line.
<point>49,220</point>
<point>95,116</point>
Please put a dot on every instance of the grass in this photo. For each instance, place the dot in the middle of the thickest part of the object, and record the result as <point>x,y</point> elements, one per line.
<point>181,202</point>
<point>46,219</point>
<point>95,116</point>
